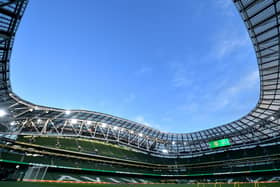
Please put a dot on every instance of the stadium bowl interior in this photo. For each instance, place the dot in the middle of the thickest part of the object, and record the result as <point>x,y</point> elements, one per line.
<point>45,143</point>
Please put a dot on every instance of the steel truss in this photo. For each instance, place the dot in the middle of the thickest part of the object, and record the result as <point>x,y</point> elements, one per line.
<point>262,124</point>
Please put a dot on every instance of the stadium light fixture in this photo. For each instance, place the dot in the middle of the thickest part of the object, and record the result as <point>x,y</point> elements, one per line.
<point>272,118</point>
<point>67,112</point>
<point>88,122</point>
<point>132,132</point>
<point>31,109</point>
<point>103,125</point>
<point>3,113</point>
<point>165,151</point>
<point>13,123</point>
<point>140,134</point>
<point>73,121</point>
<point>173,143</point>
<point>39,120</point>
<point>115,128</point>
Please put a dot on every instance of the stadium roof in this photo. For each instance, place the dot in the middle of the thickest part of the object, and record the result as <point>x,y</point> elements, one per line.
<point>261,18</point>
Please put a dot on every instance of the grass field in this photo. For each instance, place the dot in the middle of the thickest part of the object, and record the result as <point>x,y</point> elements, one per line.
<point>35,184</point>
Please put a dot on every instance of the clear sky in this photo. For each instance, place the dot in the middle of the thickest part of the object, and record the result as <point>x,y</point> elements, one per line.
<point>176,65</point>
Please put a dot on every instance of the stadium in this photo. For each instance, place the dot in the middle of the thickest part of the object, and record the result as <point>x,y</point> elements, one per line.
<point>42,145</point>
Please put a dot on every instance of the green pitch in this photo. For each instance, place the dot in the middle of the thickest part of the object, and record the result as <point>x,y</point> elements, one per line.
<point>33,184</point>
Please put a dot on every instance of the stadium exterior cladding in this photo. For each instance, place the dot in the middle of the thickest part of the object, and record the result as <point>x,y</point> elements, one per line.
<point>262,124</point>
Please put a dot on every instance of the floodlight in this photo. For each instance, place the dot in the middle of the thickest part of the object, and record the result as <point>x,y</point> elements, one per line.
<point>73,121</point>
<point>165,151</point>
<point>67,112</point>
<point>103,125</point>
<point>2,113</point>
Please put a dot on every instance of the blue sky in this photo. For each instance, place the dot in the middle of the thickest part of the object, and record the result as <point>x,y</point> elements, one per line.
<point>176,65</point>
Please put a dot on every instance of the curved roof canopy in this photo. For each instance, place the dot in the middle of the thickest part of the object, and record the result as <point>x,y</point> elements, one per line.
<point>261,18</point>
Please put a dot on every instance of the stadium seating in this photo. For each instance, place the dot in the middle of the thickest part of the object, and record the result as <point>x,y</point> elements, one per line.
<point>91,147</point>
<point>106,149</point>
<point>257,158</point>
<point>235,160</point>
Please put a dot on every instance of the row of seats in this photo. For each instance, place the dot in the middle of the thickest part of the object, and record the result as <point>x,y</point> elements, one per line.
<point>111,150</point>
<point>77,163</point>
<point>68,162</point>
<point>92,147</point>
